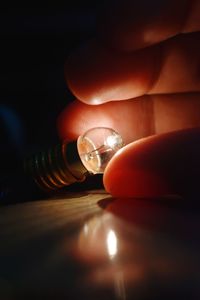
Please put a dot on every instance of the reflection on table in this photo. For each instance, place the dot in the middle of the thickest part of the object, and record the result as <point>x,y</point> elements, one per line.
<point>90,246</point>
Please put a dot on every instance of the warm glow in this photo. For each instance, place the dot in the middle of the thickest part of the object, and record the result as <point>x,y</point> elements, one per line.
<point>96,101</point>
<point>112,243</point>
<point>111,141</point>
<point>96,148</point>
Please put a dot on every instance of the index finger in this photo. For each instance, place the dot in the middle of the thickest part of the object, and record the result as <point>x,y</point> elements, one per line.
<point>97,73</point>
<point>130,24</point>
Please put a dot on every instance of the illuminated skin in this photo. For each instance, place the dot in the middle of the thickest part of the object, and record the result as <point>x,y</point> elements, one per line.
<point>149,53</point>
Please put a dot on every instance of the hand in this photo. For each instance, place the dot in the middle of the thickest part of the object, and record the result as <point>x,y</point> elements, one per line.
<point>148,55</point>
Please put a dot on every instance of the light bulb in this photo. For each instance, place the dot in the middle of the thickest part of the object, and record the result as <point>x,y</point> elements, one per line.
<point>97,146</point>
<point>70,162</point>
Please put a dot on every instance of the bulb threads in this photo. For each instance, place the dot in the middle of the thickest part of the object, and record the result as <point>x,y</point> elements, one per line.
<point>57,167</point>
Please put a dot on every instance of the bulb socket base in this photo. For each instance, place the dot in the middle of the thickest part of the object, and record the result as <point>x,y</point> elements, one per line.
<point>57,167</point>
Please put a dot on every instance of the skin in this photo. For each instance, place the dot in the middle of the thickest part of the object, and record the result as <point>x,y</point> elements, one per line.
<point>141,76</point>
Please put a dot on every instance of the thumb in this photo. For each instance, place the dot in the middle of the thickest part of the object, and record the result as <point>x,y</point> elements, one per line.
<point>158,165</point>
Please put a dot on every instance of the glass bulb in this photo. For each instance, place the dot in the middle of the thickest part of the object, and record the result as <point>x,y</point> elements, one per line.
<point>71,162</point>
<point>97,146</point>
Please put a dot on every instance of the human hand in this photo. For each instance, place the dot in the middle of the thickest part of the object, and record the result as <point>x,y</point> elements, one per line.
<point>148,55</point>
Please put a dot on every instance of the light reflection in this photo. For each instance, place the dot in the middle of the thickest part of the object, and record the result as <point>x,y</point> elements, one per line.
<point>85,229</point>
<point>123,255</point>
<point>119,285</point>
<point>98,247</point>
<point>112,141</point>
<point>96,100</point>
<point>111,243</point>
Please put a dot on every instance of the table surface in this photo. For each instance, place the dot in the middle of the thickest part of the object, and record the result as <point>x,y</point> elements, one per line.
<point>89,246</point>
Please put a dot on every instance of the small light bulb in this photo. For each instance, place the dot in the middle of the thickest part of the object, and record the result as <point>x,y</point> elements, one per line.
<point>97,146</point>
<point>68,163</point>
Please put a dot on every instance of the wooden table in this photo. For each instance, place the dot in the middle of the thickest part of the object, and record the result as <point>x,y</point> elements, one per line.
<point>87,245</point>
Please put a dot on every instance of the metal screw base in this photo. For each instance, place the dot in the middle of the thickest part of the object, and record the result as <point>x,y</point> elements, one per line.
<point>57,167</point>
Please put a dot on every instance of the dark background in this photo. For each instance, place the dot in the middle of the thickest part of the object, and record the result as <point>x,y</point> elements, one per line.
<point>35,43</point>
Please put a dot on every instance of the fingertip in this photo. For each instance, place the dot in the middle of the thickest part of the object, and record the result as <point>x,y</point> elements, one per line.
<point>155,166</point>
<point>81,74</point>
<point>78,117</point>
<point>96,74</point>
<point>124,178</point>
<point>63,123</point>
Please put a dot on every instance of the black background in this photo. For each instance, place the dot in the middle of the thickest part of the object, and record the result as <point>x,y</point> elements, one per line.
<point>34,44</point>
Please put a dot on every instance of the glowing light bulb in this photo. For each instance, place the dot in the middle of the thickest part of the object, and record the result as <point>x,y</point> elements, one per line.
<point>68,163</point>
<point>97,146</point>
